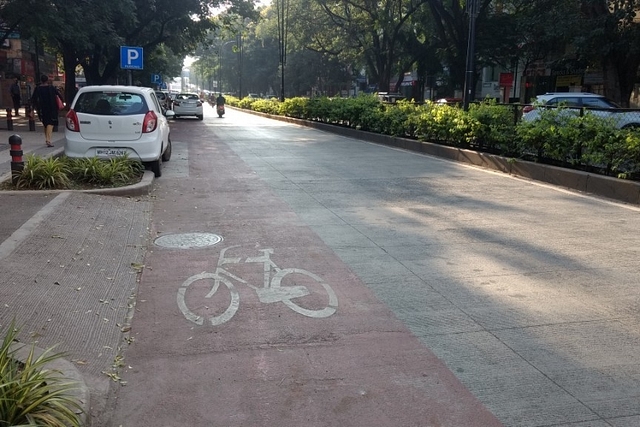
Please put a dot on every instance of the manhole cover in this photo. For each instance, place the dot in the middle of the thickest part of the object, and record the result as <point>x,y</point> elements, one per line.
<point>188,240</point>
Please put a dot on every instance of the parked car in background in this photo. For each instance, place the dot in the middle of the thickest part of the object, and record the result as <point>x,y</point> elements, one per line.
<point>164,99</point>
<point>188,104</point>
<point>575,101</point>
<point>113,121</point>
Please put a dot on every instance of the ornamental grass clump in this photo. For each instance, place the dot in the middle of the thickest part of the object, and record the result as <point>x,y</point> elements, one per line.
<point>64,173</point>
<point>114,172</point>
<point>41,174</point>
<point>30,393</point>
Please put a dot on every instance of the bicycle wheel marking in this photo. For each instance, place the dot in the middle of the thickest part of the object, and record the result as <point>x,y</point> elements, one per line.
<point>272,291</point>
<point>325,312</point>
<point>215,320</point>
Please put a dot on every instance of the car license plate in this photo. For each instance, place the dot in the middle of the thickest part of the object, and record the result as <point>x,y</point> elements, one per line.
<point>111,152</point>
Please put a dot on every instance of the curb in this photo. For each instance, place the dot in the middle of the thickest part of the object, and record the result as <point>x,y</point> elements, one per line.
<point>138,189</point>
<point>69,372</point>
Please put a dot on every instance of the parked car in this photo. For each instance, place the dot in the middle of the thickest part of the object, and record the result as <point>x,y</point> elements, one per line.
<point>574,101</point>
<point>113,121</point>
<point>188,104</point>
<point>164,98</point>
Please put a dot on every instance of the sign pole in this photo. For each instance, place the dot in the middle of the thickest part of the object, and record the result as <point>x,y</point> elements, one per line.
<point>130,77</point>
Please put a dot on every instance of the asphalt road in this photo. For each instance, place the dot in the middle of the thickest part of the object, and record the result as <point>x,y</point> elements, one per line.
<point>520,295</point>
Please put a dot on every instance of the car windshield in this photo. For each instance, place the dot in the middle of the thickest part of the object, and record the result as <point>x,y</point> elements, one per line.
<point>110,103</point>
<point>187,96</point>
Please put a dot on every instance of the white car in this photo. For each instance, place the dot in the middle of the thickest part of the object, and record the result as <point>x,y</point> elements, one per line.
<point>188,104</point>
<point>112,121</point>
<point>573,102</point>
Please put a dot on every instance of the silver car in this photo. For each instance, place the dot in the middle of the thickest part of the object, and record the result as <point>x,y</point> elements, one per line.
<point>188,104</point>
<point>112,121</point>
<point>573,102</point>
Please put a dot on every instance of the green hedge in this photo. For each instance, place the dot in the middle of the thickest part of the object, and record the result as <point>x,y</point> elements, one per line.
<point>585,142</point>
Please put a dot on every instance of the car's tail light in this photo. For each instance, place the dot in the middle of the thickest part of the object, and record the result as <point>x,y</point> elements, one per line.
<point>150,122</point>
<point>528,108</point>
<point>72,121</point>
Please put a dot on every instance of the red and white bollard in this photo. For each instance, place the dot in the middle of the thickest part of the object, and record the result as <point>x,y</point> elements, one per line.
<point>17,163</point>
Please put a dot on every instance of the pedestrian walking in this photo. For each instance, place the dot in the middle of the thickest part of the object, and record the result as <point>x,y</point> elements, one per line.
<point>15,96</point>
<point>45,99</point>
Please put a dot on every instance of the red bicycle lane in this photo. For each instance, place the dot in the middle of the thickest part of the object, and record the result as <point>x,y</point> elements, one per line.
<point>296,337</point>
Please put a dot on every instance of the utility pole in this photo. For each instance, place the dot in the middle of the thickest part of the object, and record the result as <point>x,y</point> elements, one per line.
<point>472,6</point>
<point>282,9</point>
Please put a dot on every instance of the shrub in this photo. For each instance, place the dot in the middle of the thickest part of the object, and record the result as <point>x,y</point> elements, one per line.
<point>497,126</point>
<point>231,100</point>
<point>31,394</point>
<point>355,110</point>
<point>269,106</point>
<point>445,123</point>
<point>613,150</point>
<point>247,102</point>
<point>320,109</point>
<point>43,173</point>
<point>295,107</point>
<point>543,138</point>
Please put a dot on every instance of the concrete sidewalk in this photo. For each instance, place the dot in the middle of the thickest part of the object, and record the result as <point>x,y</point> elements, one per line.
<point>69,266</point>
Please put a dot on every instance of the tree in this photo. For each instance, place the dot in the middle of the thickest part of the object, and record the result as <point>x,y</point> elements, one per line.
<point>15,16</point>
<point>611,42</point>
<point>94,31</point>
<point>373,28</point>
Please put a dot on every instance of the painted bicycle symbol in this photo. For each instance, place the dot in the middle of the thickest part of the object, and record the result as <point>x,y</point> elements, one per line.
<point>272,290</point>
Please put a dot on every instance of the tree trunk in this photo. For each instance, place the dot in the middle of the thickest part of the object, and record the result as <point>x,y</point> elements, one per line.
<point>69,60</point>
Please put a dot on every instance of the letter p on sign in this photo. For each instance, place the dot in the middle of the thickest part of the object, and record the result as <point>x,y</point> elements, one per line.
<point>131,58</point>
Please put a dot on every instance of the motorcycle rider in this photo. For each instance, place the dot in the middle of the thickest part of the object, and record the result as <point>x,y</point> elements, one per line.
<point>220,100</point>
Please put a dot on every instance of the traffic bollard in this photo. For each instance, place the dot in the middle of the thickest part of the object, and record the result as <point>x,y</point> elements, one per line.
<point>17,163</point>
<point>9,119</point>
<point>32,120</point>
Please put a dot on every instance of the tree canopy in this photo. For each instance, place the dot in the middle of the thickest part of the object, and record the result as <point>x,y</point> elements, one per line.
<point>331,43</point>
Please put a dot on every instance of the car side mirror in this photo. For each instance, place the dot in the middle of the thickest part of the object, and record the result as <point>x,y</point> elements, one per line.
<point>169,114</point>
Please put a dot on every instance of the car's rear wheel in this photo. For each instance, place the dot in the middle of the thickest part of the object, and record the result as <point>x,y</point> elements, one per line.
<point>200,117</point>
<point>156,167</point>
<point>166,156</point>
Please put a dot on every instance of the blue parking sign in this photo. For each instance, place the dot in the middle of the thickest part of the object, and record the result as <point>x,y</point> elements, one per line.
<point>131,58</point>
<point>156,79</point>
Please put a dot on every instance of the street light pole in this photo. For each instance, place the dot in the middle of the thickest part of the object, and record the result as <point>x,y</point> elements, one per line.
<point>470,71</point>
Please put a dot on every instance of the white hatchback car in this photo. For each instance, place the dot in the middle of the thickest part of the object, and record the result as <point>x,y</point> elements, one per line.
<point>188,104</point>
<point>112,121</point>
